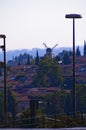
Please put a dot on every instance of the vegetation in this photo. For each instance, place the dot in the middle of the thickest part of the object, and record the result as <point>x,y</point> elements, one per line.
<point>81,98</point>
<point>78,52</point>
<point>84,52</point>
<point>55,103</point>
<point>49,74</point>
<point>11,104</point>
<point>1,105</point>
<point>37,58</point>
<point>66,59</point>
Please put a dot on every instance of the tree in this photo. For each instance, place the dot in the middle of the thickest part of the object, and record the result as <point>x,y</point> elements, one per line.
<point>49,74</point>
<point>61,54</point>
<point>66,59</point>
<point>84,48</point>
<point>56,102</point>
<point>37,58</point>
<point>11,103</point>
<point>1,105</point>
<point>57,59</point>
<point>78,52</point>
<point>70,53</point>
<point>1,67</point>
<point>81,98</point>
<point>28,60</point>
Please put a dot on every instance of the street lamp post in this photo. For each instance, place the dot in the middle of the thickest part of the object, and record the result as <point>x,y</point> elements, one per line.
<point>73,16</point>
<point>5,109</point>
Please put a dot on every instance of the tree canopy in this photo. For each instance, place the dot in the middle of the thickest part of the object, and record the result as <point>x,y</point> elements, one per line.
<point>49,74</point>
<point>84,48</point>
<point>78,51</point>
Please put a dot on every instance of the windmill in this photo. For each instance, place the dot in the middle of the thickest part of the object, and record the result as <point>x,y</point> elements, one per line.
<point>49,50</point>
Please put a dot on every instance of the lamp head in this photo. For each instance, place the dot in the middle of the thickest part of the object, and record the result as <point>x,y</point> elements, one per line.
<point>2,36</point>
<point>73,16</point>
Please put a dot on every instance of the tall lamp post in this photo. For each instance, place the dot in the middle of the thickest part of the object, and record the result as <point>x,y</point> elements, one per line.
<point>73,16</point>
<point>4,50</point>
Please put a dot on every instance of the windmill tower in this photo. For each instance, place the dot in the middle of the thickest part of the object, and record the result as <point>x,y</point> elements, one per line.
<point>49,50</point>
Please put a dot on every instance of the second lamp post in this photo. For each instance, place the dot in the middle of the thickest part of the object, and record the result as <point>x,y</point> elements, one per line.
<point>73,16</point>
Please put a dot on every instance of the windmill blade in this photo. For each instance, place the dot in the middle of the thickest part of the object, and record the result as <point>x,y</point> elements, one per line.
<point>45,45</point>
<point>54,46</point>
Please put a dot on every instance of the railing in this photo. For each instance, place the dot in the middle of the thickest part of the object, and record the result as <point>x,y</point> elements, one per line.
<point>49,121</point>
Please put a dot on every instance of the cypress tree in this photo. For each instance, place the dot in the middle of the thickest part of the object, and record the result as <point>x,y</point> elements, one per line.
<point>78,52</point>
<point>84,48</point>
<point>37,58</point>
<point>28,60</point>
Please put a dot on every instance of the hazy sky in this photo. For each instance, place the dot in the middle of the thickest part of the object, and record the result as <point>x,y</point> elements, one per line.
<point>29,23</point>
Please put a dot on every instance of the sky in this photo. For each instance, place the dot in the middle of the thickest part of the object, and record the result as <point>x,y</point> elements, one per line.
<point>29,23</point>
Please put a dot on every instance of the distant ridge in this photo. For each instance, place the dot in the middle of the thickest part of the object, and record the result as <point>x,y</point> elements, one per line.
<point>12,53</point>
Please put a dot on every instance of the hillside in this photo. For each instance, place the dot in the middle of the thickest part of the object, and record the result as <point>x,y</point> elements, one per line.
<point>11,53</point>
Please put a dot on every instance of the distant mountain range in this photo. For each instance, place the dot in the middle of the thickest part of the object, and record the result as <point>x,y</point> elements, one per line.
<point>41,52</point>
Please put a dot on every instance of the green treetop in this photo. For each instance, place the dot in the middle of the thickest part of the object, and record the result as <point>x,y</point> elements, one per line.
<point>49,74</point>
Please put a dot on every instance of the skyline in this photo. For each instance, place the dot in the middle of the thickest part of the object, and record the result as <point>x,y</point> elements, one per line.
<point>29,23</point>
